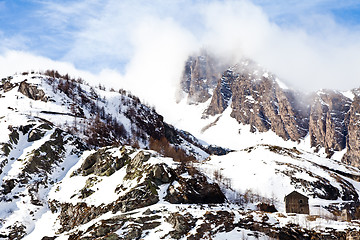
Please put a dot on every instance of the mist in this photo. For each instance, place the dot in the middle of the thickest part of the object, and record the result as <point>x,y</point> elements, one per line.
<point>142,47</point>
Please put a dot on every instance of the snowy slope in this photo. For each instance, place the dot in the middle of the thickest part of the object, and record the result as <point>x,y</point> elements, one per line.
<point>64,176</point>
<point>162,219</point>
<point>273,172</point>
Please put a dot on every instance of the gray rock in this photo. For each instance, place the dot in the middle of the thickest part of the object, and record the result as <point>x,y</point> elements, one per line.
<point>352,156</point>
<point>200,75</point>
<point>328,121</point>
<point>182,224</point>
<point>31,91</point>
<point>260,102</point>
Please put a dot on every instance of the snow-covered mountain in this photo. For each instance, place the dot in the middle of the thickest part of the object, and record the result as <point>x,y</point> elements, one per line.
<point>255,97</point>
<point>83,162</point>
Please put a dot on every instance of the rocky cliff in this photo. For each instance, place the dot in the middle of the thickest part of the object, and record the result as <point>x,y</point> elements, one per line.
<point>352,155</point>
<point>200,75</point>
<point>329,120</point>
<point>257,98</point>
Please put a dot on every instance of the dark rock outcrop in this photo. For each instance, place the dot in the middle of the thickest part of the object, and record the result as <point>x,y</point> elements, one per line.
<point>138,188</point>
<point>31,91</point>
<point>7,86</point>
<point>181,224</point>
<point>102,163</point>
<point>200,75</point>
<point>222,93</point>
<point>52,152</point>
<point>193,189</point>
<point>352,156</point>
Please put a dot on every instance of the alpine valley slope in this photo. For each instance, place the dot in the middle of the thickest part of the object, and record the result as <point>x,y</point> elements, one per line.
<point>76,164</point>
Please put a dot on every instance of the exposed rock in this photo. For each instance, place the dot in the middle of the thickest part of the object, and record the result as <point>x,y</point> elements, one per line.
<point>7,86</point>
<point>222,93</point>
<point>103,163</point>
<point>352,156</point>
<point>160,175</point>
<point>8,185</point>
<point>35,134</point>
<point>328,120</point>
<point>265,207</point>
<point>17,231</point>
<point>48,238</point>
<point>74,215</point>
<point>145,194</point>
<point>51,152</point>
<point>195,189</point>
<point>321,188</point>
<point>213,222</point>
<point>200,75</point>
<point>144,177</point>
<point>31,91</point>
<point>131,228</point>
<point>26,128</point>
<point>258,100</point>
<point>182,224</point>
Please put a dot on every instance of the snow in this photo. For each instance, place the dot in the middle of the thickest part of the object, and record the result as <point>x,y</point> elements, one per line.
<point>349,94</point>
<point>261,171</point>
<point>281,84</point>
<point>250,167</point>
<point>226,132</point>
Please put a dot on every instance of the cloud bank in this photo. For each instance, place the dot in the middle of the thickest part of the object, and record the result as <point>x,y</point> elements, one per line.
<point>142,46</point>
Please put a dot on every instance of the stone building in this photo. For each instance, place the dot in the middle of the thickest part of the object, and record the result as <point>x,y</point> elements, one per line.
<point>296,203</point>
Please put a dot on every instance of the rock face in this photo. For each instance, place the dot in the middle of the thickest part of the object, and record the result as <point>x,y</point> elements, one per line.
<point>7,86</point>
<point>40,168</point>
<point>257,99</point>
<point>195,189</point>
<point>328,126</point>
<point>200,75</point>
<point>31,91</point>
<point>222,93</point>
<point>145,181</point>
<point>352,155</point>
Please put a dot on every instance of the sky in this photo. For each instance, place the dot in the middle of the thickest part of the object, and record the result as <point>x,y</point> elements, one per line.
<point>141,45</point>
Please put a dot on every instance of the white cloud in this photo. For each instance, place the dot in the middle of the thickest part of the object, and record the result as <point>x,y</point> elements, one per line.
<point>161,48</point>
<point>12,42</point>
<point>141,46</point>
<point>18,61</point>
<point>323,57</point>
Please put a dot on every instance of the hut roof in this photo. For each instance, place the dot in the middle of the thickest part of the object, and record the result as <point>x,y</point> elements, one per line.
<point>295,194</point>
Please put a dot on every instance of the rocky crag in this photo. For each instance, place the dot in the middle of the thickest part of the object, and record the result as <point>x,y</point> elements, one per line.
<point>201,74</point>
<point>257,98</point>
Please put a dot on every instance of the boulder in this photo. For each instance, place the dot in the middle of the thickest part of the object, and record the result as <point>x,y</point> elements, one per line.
<point>31,91</point>
<point>195,189</point>
<point>182,224</point>
<point>35,134</point>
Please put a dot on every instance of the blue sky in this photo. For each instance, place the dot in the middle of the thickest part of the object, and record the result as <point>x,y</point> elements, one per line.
<point>94,35</point>
<point>36,26</point>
